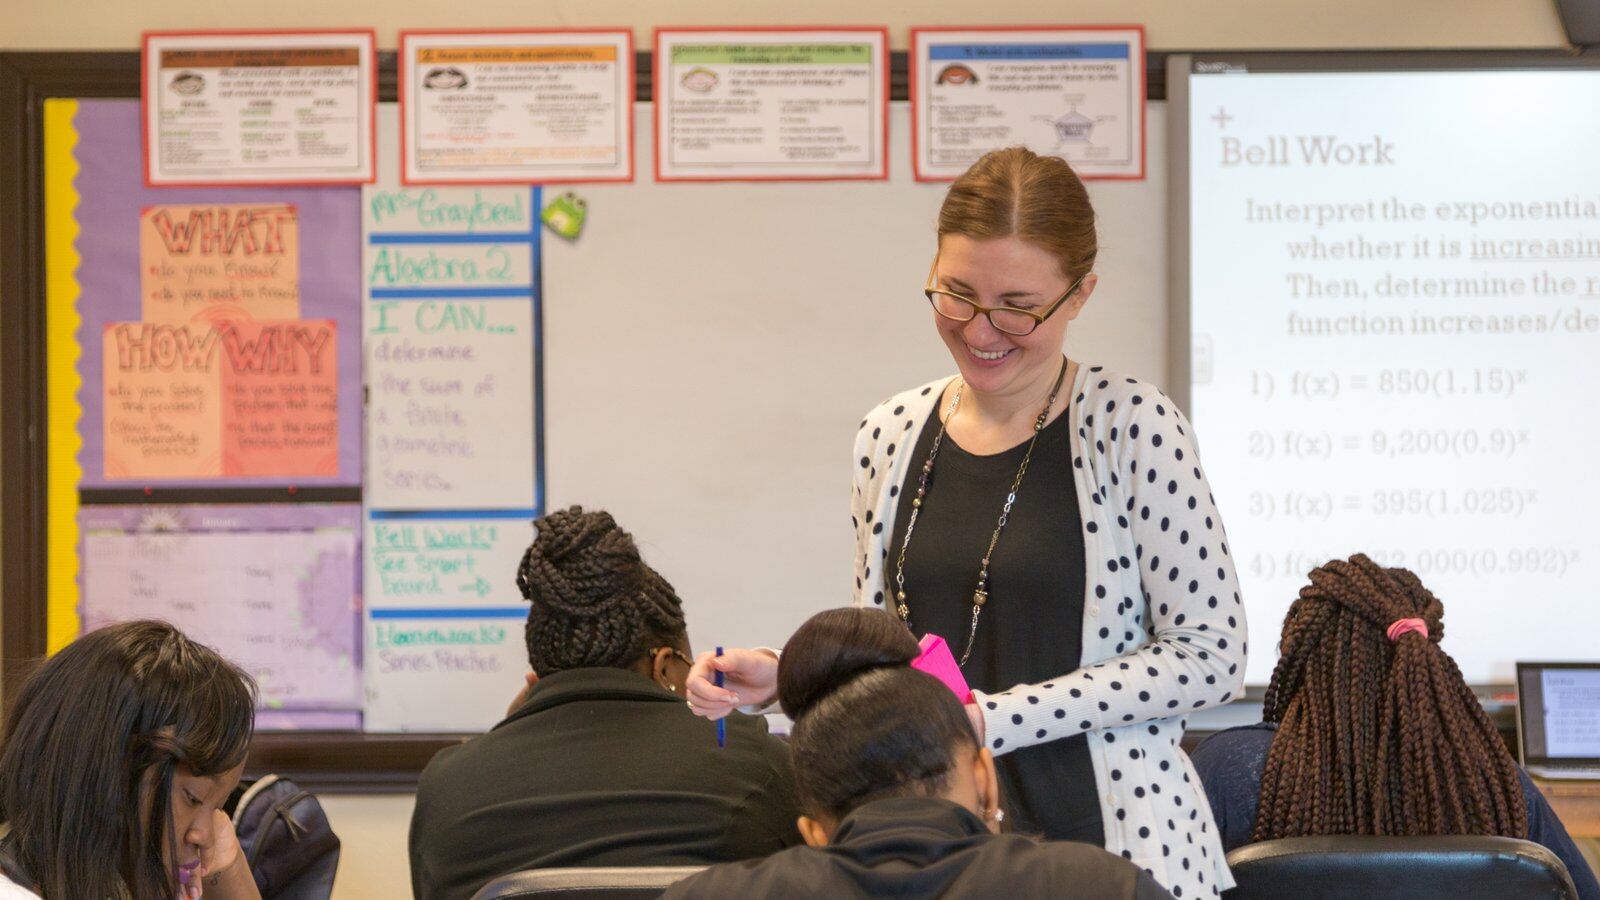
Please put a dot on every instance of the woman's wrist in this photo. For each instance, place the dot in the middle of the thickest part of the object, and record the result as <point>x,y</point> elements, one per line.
<point>772,697</point>
<point>233,882</point>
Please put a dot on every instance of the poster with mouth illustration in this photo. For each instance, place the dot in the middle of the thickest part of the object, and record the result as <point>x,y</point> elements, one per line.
<point>1076,93</point>
<point>259,107</point>
<point>771,104</point>
<point>516,107</point>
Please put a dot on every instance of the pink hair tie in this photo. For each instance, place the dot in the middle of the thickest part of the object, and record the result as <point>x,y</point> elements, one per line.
<point>1401,626</point>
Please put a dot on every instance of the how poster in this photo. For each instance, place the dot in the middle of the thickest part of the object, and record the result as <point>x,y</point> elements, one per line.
<point>771,105</point>
<point>535,107</point>
<point>265,107</point>
<point>1076,93</point>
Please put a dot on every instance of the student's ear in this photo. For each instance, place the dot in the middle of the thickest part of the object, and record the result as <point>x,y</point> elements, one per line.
<point>528,681</point>
<point>661,660</point>
<point>987,784</point>
<point>813,831</point>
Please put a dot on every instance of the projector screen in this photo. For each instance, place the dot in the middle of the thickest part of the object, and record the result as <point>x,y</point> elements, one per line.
<point>1393,346</point>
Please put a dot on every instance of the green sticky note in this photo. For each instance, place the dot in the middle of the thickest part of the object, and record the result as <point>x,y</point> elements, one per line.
<point>565,214</point>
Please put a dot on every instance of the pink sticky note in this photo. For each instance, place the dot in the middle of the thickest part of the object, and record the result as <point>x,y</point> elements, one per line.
<point>937,660</point>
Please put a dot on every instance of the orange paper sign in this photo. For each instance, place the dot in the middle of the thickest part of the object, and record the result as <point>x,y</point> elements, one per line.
<point>219,263</point>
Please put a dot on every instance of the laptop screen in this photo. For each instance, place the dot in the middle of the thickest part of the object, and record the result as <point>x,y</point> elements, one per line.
<point>1559,712</point>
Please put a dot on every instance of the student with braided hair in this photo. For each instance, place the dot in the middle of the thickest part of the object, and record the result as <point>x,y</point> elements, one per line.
<point>598,762</point>
<point>1370,729</point>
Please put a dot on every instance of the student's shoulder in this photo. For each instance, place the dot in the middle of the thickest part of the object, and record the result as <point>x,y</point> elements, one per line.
<point>1097,872</point>
<point>1233,745</point>
<point>795,868</point>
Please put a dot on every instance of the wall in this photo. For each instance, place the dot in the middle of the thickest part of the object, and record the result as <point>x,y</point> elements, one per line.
<point>1216,24</point>
<point>374,827</point>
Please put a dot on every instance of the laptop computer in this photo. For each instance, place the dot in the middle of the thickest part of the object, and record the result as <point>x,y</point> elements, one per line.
<point>1558,718</point>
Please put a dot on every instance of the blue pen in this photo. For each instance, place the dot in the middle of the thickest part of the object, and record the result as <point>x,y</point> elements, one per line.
<point>722,723</point>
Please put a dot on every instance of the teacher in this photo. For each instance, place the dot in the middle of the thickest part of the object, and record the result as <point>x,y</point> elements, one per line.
<point>1052,522</point>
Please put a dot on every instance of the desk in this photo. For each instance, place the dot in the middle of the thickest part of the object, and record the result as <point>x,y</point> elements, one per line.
<point>1577,805</point>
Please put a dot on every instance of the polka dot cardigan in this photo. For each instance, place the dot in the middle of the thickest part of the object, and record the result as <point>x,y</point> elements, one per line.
<point>1163,628</point>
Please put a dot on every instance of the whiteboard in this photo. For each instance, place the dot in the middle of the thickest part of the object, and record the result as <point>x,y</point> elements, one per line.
<point>1389,348</point>
<point>710,351</point>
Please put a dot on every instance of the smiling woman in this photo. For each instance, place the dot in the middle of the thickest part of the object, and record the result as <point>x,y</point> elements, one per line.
<point>1052,522</point>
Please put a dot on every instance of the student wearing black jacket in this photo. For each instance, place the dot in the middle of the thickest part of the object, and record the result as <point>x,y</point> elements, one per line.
<point>599,762</point>
<point>899,798</point>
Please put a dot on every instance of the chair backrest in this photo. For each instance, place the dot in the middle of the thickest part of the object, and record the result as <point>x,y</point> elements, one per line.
<point>617,883</point>
<point>1373,868</point>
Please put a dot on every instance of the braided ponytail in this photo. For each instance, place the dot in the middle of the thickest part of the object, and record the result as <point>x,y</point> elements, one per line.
<point>1378,736</point>
<point>595,602</point>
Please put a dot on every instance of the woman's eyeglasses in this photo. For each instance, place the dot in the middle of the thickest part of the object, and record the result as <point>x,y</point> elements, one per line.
<point>1007,319</point>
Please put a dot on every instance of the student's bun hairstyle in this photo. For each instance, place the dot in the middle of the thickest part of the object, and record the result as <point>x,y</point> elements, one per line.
<point>594,601</point>
<point>96,734</point>
<point>1378,734</point>
<point>866,725</point>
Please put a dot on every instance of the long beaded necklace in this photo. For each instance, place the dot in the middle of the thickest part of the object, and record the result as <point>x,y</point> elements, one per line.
<point>980,596</point>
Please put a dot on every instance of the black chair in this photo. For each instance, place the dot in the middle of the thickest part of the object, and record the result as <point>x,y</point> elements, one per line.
<point>629,883</point>
<point>1372,868</point>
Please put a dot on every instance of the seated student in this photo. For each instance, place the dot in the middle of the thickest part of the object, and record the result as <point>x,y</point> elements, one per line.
<point>599,762</point>
<point>1370,729</point>
<point>900,800</point>
<point>118,754</point>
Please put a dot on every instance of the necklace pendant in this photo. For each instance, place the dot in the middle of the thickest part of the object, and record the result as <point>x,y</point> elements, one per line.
<point>980,597</point>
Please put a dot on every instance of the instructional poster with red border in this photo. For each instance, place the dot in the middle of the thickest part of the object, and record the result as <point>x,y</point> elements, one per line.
<point>1077,93</point>
<point>803,104</point>
<point>516,107</point>
<point>259,107</point>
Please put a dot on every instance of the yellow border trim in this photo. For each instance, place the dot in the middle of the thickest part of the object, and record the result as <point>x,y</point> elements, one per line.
<point>62,410</point>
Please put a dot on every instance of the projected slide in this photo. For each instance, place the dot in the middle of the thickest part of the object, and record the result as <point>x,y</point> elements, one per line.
<point>1396,342</point>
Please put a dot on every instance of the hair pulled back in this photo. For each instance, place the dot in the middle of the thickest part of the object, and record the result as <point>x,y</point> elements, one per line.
<point>1378,736</point>
<point>594,601</point>
<point>91,748</point>
<point>866,725</point>
<point>1036,198</point>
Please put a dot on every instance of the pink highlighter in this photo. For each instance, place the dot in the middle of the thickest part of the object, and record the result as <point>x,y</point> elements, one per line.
<point>937,660</point>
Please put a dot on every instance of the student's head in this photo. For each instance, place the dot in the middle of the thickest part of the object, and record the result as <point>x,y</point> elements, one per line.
<point>1015,230</point>
<point>1377,731</point>
<point>118,753</point>
<point>867,726</point>
<point>596,604</point>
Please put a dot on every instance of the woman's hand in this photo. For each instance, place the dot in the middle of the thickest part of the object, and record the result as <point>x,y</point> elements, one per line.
<point>223,872</point>
<point>750,678</point>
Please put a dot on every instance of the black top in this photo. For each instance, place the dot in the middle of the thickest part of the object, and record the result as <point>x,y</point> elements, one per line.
<point>925,847</point>
<point>600,767</point>
<point>1230,764</point>
<point>1031,630</point>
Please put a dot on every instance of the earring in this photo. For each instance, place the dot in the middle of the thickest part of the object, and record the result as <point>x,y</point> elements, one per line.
<point>996,815</point>
<point>673,688</point>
